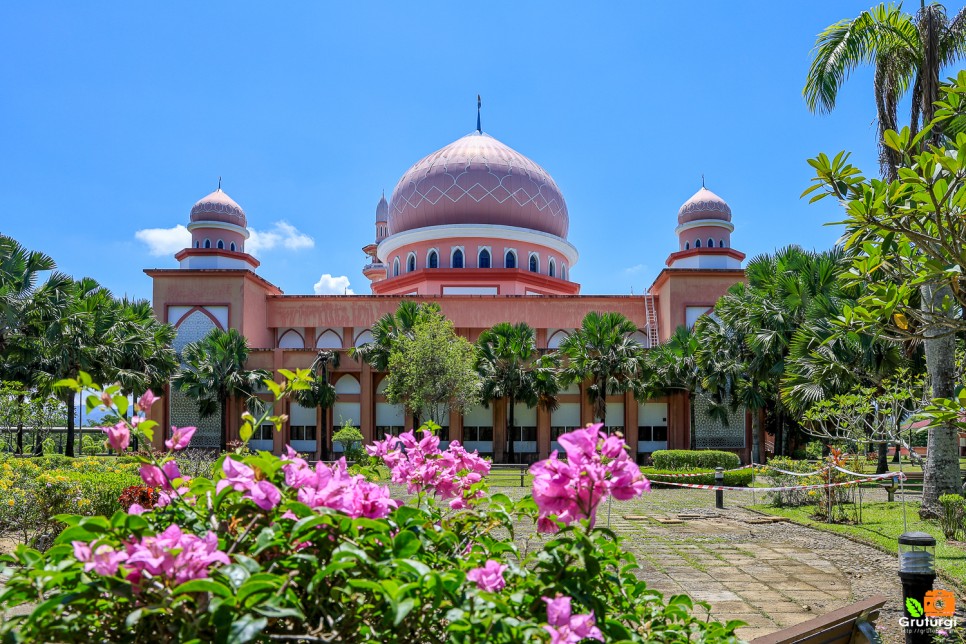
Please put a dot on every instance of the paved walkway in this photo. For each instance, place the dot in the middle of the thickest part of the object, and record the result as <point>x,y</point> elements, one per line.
<point>768,575</point>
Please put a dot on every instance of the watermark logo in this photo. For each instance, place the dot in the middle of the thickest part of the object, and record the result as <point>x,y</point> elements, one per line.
<point>937,610</point>
<point>939,603</point>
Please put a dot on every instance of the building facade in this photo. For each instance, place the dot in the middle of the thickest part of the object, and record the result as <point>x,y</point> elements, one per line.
<point>482,230</point>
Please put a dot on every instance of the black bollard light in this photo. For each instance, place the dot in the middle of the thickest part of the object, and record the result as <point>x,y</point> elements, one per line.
<point>917,570</point>
<point>719,494</point>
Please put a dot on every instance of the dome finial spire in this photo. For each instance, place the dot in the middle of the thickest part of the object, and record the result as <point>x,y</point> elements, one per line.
<point>479,106</point>
<point>702,180</point>
<point>219,182</point>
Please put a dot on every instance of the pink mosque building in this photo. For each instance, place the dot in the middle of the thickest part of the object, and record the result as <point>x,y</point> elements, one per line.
<point>482,230</point>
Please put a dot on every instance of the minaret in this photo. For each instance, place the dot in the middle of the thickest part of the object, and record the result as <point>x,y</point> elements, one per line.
<point>704,234</point>
<point>218,229</point>
<point>376,270</point>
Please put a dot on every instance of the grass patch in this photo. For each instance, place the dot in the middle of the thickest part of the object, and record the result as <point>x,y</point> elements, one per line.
<point>881,525</point>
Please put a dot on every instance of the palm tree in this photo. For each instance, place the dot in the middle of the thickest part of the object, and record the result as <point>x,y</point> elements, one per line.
<point>907,52</point>
<point>147,359</point>
<point>81,336</point>
<point>604,352</point>
<point>19,272</point>
<point>321,393</point>
<point>672,366</point>
<point>512,369</point>
<point>213,371</point>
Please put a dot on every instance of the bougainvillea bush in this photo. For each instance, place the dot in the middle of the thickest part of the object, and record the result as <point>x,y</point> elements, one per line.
<point>277,549</point>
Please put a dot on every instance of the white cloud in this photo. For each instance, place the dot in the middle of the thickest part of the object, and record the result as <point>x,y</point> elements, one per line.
<point>634,270</point>
<point>281,234</point>
<point>168,241</point>
<point>328,285</point>
<point>164,241</point>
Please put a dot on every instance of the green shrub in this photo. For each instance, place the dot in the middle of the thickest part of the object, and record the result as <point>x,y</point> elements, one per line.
<point>685,459</point>
<point>738,478</point>
<point>953,508</point>
<point>789,497</point>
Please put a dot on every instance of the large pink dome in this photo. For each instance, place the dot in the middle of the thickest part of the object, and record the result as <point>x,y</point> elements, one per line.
<point>704,204</point>
<point>218,206</point>
<point>478,180</point>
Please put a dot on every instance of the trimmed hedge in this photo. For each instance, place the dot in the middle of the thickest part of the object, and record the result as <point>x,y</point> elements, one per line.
<point>686,459</point>
<point>739,478</point>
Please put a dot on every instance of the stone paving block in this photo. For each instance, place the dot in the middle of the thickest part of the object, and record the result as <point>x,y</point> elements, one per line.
<point>731,607</point>
<point>790,619</point>
<point>713,595</point>
<point>747,633</point>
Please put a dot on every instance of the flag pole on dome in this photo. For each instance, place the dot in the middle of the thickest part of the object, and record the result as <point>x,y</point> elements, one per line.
<point>479,104</point>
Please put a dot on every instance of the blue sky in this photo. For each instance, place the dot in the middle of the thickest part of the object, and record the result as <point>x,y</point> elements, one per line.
<point>116,118</point>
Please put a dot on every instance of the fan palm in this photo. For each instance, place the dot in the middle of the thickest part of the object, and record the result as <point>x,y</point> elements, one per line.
<point>603,352</point>
<point>512,369</point>
<point>213,371</point>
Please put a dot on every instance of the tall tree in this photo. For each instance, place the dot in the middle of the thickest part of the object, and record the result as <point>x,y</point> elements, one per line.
<point>433,370</point>
<point>214,371</point>
<point>909,52</point>
<point>321,392</point>
<point>388,330</point>
<point>81,336</point>
<point>604,352</point>
<point>512,369</point>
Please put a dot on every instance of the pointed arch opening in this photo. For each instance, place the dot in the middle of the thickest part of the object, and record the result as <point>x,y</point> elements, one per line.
<point>457,259</point>
<point>510,259</point>
<point>484,259</point>
<point>534,263</point>
<point>411,263</point>
<point>432,260</point>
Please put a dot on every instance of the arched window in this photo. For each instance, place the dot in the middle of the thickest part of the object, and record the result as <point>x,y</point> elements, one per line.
<point>687,245</point>
<point>697,243</point>
<point>534,264</point>
<point>551,268</point>
<point>207,243</point>
<point>563,271</point>
<point>232,246</point>
<point>197,244</point>
<point>221,245</point>
<point>411,263</point>
<point>395,267</point>
<point>433,260</point>
<point>710,243</point>
<point>721,243</point>
<point>457,258</point>
<point>510,259</point>
<point>484,260</point>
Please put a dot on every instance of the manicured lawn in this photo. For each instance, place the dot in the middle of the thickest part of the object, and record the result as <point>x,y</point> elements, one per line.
<point>881,526</point>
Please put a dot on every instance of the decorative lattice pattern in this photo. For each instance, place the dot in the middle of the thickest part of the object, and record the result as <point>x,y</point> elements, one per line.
<point>711,433</point>
<point>184,411</point>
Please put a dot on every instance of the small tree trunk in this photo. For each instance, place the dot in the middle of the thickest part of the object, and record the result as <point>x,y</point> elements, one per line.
<point>510,428</point>
<point>895,457</point>
<point>20,403</point>
<point>755,435</point>
<point>941,469</point>
<point>69,447</point>
<point>882,466</point>
<point>224,425</point>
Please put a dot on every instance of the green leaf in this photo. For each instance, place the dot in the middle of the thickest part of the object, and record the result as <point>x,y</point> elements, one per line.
<point>203,586</point>
<point>913,607</point>
<point>246,628</point>
<point>405,544</point>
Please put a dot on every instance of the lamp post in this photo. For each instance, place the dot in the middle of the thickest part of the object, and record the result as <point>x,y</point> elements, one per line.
<point>719,494</point>
<point>917,570</point>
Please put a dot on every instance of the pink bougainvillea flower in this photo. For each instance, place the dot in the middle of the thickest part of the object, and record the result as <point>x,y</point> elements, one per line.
<point>152,475</point>
<point>136,508</point>
<point>265,495</point>
<point>237,475</point>
<point>102,559</point>
<point>180,437</point>
<point>565,628</point>
<point>422,466</point>
<point>107,400</point>
<point>597,465</point>
<point>118,436</point>
<point>489,577</point>
<point>146,400</point>
<point>171,470</point>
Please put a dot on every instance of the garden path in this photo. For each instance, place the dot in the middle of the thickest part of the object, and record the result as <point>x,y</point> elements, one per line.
<point>769,575</point>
